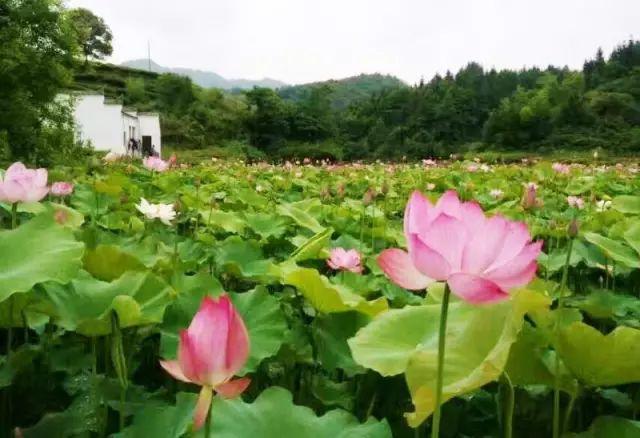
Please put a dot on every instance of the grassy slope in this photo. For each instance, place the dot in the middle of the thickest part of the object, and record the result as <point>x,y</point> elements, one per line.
<point>109,79</point>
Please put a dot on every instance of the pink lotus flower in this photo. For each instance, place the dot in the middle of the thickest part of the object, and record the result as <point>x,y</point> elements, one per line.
<point>211,351</point>
<point>561,168</point>
<point>480,258</point>
<point>155,163</point>
<point>23,185</point>
<point>575,202</point>
<point>61,189</point>
<point>343,260</point>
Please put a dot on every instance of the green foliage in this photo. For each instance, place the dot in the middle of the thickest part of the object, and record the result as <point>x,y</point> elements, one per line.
<point>375,116</point>
<point>478,342</point>
<point>261,233</point>
<point>37,252</point>
<point>272,415</point>
<point>36,54</point>
<point>343,92</point>
<point>92,33</point>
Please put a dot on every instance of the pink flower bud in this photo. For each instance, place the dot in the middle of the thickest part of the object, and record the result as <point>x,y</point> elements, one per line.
<point>211,351</point>
<point>61,189</point>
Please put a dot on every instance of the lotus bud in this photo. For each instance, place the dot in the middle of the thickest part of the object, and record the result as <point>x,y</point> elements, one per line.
<point>529,200</point>
<point>573,229</point>
<point>369,196</point>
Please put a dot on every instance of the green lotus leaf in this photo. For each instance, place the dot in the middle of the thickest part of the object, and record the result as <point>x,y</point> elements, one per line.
<point>250,197</point>
<point>150,251</point>
<point>266,225</point>
<point>477,347</point>
<point>67,216</point>
<point>21,309</point>
<point>632,235</point>
<point>313,247</point>
<point>273,415</point>
<point>244,258</point>
<point>325,296</point>
<point>85,304</point>
<point>38,251</point>
<point>615,250</point>
<point>108,262</point>
<point>333,394</point>
<point>604,304</point>
<point>163,421</point>
<point>20,359</point>
<point>601,360</point>
<point>230,222</point>
<point>89,202</point>
<point>265,323</point>
<point>532,362</point>
<point>626,204</point>
<point>580,185</point>
<point>331,333</point>
<point>611,427</point>
<point>300,216</point>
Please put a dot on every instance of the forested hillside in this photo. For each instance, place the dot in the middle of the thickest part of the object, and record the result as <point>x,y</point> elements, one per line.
<point>344,92</point>
<point>377,116</point>
<point>361,117</point>
<point>531,109</point>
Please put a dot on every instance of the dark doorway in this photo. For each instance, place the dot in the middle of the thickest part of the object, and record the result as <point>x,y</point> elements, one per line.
<point>146,145</point>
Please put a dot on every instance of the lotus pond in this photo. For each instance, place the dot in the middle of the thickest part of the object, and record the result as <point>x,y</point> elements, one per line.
<point>305,315</point>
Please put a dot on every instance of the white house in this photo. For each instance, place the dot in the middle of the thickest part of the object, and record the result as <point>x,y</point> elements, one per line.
<point>110,126</point>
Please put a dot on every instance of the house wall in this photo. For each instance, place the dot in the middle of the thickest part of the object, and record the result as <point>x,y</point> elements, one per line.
<point>108,126</point>
<point>130,128</point>
<point>99,123</point>
<point>150,125</point>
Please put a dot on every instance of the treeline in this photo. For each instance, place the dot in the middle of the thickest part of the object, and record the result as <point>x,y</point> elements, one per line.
<point>474,109</point>
<point>41,44</point>
<point>45,50</point>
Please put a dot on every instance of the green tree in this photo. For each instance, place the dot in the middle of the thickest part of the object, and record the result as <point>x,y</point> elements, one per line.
<point>92,33</point>
<point>268,123</point>
<point>136,92</point>
<point>36,54</point>
<point>175,93</point>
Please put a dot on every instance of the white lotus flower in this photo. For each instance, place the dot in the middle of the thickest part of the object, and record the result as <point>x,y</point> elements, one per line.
<point>164,212</point>
<point>603,205</point>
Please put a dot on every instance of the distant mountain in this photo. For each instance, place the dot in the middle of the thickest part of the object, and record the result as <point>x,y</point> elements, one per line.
<point>206,79</point>
<point>345,91</point>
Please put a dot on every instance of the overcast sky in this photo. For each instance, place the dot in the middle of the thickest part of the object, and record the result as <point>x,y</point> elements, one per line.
<point>300,41</point>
